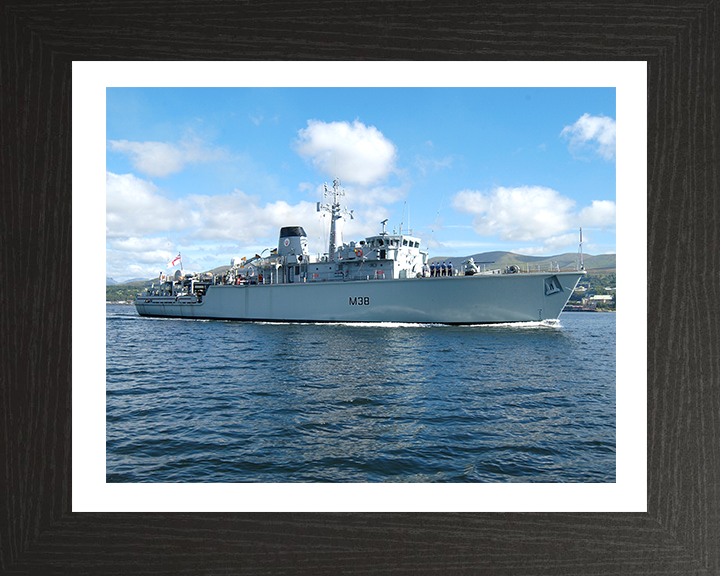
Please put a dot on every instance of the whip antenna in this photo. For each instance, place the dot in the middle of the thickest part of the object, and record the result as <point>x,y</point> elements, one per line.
<point>436,219</point>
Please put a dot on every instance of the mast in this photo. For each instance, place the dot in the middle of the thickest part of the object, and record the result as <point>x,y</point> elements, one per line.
<point>336,212</point>
<point>582,265</point>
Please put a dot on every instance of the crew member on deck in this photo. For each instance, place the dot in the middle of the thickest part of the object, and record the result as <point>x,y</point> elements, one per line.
<point>450,273</point>
<point>444,269</point>
<point>432,269</point>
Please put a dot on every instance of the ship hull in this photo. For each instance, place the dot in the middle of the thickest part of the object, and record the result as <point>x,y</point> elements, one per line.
<point>476,299</point>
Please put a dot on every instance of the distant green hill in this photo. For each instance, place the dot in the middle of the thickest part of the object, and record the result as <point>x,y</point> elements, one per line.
<point>567,261</point>
<point>126,291</point>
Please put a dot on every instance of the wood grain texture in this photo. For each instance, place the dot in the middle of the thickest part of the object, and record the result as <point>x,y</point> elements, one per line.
<point>680,534</point>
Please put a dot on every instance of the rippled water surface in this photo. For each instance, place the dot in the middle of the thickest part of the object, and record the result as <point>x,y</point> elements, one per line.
<point>220,401</point>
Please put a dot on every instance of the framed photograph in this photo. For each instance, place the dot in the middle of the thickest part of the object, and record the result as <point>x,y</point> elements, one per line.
<point>656,514</point>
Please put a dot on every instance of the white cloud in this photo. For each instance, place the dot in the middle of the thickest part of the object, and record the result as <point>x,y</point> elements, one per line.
<point>600,214</point>
<point>520,214</point>
<point>144,230</point>
<point>244,219</point>
<point>123,265</point>
<point>306,187</point>
<point>377,195</point>
<point>595,132</point>
<point>532,214</point>
<point>241,217</point>
<point>357,197</point>
<point>160,159</point>
<point>141,244</point>
<point>427,164</point>
<point>135,207</point>
<point>354,152</point>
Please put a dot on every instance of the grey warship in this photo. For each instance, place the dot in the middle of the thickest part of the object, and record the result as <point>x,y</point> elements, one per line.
<point>383,278</point>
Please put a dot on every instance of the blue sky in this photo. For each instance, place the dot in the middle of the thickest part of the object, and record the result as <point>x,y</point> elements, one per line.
<point>214,173</point>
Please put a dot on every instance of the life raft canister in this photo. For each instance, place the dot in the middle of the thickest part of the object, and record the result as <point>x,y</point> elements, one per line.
<point>358,252</point>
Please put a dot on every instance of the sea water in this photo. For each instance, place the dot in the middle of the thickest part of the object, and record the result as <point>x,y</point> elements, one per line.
<point>225,401</point>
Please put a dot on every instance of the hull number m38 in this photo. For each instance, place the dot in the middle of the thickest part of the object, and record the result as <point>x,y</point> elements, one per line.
<point>360,301</point>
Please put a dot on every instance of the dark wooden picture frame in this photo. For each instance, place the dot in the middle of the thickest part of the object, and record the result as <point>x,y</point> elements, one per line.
<point>680,533</point>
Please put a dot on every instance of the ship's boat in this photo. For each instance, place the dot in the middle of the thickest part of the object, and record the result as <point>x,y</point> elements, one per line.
<point>383,278</point>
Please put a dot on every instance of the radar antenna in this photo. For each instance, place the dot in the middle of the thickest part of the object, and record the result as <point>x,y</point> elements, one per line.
<point>336,212</point>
